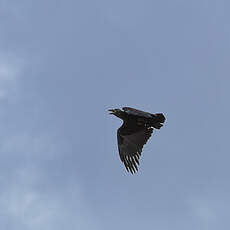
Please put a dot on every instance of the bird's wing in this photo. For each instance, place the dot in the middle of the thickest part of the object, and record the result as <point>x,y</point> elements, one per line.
<point>130,145</point>
<point>137,112</point>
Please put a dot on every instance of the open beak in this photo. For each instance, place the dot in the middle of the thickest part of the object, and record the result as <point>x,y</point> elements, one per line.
<point>111,110</point>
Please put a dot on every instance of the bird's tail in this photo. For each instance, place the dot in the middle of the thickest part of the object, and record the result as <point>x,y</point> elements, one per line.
<point>157,119</point>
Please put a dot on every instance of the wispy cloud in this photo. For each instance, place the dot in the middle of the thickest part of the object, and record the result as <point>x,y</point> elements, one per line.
<point>203,209</point>
<point>10,72</point>
<point>209,210</point>
<point>31,197</point>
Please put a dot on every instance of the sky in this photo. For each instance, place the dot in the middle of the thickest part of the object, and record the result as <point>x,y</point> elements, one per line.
<point>63,64</point>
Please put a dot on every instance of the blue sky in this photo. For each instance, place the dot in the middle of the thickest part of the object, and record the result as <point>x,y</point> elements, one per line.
<point>63,64</point>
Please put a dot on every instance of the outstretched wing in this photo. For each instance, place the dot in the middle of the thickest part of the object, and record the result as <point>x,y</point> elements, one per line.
<point>136,112</point>
<point>130,144</point>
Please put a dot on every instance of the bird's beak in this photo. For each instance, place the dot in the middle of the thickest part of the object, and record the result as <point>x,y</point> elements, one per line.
<point>111,110</point>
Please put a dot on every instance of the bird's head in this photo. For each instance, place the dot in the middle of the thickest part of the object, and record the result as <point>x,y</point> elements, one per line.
<point>116,112</point>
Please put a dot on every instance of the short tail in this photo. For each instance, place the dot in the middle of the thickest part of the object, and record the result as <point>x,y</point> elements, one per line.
<point>157,119</point>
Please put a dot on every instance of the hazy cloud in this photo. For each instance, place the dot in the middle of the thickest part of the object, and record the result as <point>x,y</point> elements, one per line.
<point>10,72</point>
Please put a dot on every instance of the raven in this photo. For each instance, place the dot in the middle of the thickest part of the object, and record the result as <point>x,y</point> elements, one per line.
<point>135,131</point>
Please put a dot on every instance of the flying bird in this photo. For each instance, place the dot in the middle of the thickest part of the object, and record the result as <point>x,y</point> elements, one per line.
<point>135,131</point>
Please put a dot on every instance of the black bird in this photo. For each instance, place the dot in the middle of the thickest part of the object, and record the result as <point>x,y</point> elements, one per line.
<point>136,129</point>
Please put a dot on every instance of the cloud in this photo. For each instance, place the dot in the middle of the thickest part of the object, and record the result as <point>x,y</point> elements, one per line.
<point>203,210</point>
<point>31,207</point>
<point>10,72</point>
<point>34,193</point>
<point>210,210</point>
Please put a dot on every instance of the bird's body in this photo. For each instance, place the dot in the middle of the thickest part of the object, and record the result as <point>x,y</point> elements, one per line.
<point>136,129</point>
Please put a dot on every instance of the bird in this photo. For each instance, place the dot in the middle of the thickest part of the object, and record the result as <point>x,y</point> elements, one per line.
<point>135,131</point>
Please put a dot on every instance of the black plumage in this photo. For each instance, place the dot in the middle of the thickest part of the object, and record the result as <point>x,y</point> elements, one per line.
<point>135,131</point>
